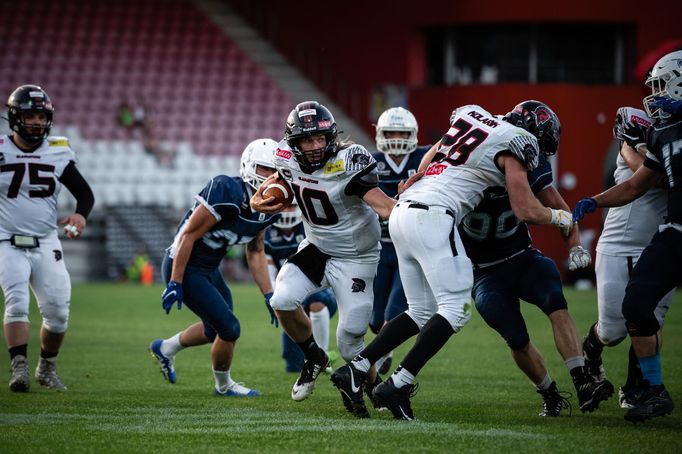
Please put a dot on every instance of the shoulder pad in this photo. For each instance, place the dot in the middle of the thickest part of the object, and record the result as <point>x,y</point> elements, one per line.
<point>525,147</point>
<point>357,158</point>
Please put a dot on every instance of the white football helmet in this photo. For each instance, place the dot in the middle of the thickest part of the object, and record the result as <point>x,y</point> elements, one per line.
<point>290,217</point>
<point>260,152</point>
<point>396,119</point>
<point>665,81</point>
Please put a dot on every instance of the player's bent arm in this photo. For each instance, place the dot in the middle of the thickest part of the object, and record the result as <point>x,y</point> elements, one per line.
<point>73,180</point>
<point>551,198</point>
<point>525,205</point>
<point>258,263</point>
<point>200,222</point>
<point>258,203</point>
<point>379,202</point>
<point>428,157</point>
<point>632,158</point>
<point>627,191</point>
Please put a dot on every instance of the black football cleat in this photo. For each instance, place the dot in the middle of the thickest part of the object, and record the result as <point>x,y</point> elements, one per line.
<point>554,401</point>
<point>652,403</point>
<point>397,400</point>
<point>350,383</point>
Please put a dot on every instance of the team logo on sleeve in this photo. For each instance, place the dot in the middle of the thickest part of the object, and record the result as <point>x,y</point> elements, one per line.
<point>360,159</point>
<point>286,154</point>
<point>358,285</point>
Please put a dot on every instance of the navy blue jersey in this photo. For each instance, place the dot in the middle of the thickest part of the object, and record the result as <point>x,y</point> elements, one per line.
<point>492,232</point>
<point>226,198</point>
<point>664,142</point>
<point>280,246</point>
<point>391,174</point>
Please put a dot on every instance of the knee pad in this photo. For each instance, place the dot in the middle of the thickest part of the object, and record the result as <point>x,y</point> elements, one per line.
<point>611,334</point>
<point>642,328</point>
<point>55,316</point>
<point>229,329</point>
<point>457,313</point>
<point>16,302</point>
<point>349,344</point>
<point>420,315</point>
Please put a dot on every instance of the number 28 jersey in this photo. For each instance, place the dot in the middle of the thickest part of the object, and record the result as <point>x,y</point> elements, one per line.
<point>29,186</point>
<point>336,218</point>
<point>465,163</point>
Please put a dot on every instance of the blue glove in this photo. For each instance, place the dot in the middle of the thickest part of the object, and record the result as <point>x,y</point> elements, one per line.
<point>583,207</point>
<point>273,316</point>
<point>172,294</point>
<point>669,105</point>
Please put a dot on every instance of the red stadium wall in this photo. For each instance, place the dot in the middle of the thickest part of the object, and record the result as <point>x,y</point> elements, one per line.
<point>358,45</point>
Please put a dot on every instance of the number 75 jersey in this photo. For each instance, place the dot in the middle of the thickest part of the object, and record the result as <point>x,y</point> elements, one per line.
<point>29,186</point>
<point>465,163</point>
<point>335,217</point>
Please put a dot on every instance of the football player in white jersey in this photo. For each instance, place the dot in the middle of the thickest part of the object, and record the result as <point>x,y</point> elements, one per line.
<point>479,150</point>
<point>33,169</point>
<point>627,231</point>
<point>336,186</point>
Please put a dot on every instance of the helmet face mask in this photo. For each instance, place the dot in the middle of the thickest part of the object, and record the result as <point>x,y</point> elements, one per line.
<point>310,119</point>
<point>665,82</point>
<point>541,121</point>
<point>396,119</point>
<point>30,100</point>
<point>259,153</point>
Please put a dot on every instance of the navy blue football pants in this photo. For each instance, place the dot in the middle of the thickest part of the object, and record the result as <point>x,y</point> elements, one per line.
<point>389,296</point>
<point>206,294</point>
<point>531,277</point>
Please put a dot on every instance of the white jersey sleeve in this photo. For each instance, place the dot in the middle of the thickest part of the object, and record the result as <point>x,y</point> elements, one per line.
<point>30,186</point>
<point>467,164</point>
<point>335,217</point>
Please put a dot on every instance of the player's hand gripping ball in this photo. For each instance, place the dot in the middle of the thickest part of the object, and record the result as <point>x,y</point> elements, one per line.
<point>280,190</point>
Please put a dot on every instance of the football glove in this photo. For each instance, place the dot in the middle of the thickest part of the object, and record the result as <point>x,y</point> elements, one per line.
<point>583,207</point>
<point>578,257</point>
<point>562,219</point>
<point>273,316</point>
<point>171,295</point>
<point>634,134</point>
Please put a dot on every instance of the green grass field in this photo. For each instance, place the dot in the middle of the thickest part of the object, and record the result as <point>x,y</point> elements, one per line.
<point>472,396</point>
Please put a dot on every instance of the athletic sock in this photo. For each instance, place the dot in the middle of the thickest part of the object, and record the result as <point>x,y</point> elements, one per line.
<point>545,383</point>
<point>430,340</point>
<point>576,361</point>
<point>47,355</point>
<point>391,336</point>
<point>320,322</point>
<point>310,348</point>
<point>651,369</point>
<point>222,380</point>
<point>402,377</point>
<point>171,346</point>
<point>18,350</point>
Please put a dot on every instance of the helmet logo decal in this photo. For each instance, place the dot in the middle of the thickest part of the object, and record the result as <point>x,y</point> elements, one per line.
<point>542,115</point>
<point>324,124</point>
<point>306,113</point>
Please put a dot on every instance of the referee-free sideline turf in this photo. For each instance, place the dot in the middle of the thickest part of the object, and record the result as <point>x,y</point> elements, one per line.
<point>472,398</point>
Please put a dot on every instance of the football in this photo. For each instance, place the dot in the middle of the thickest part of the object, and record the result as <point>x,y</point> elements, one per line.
<point>280,190</point>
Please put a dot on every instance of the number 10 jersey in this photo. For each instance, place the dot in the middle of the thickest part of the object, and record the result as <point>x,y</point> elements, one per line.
<point>336,218</point>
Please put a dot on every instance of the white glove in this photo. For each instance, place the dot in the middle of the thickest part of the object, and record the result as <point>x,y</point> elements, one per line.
<point>578,257</point>
<point>563,220</point>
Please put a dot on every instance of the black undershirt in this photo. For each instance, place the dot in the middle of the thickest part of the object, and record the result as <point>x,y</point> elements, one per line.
<point>73,181</point>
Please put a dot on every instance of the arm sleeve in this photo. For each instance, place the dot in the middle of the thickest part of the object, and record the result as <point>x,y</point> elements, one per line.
<point>76,184</point>
<point>541,177</point>
<point>363,181</point>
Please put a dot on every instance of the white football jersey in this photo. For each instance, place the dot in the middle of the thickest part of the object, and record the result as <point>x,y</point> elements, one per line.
<point>340,225</point>
<point>629,229</point>
<point>29,186</point>
<point>470,146</point>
